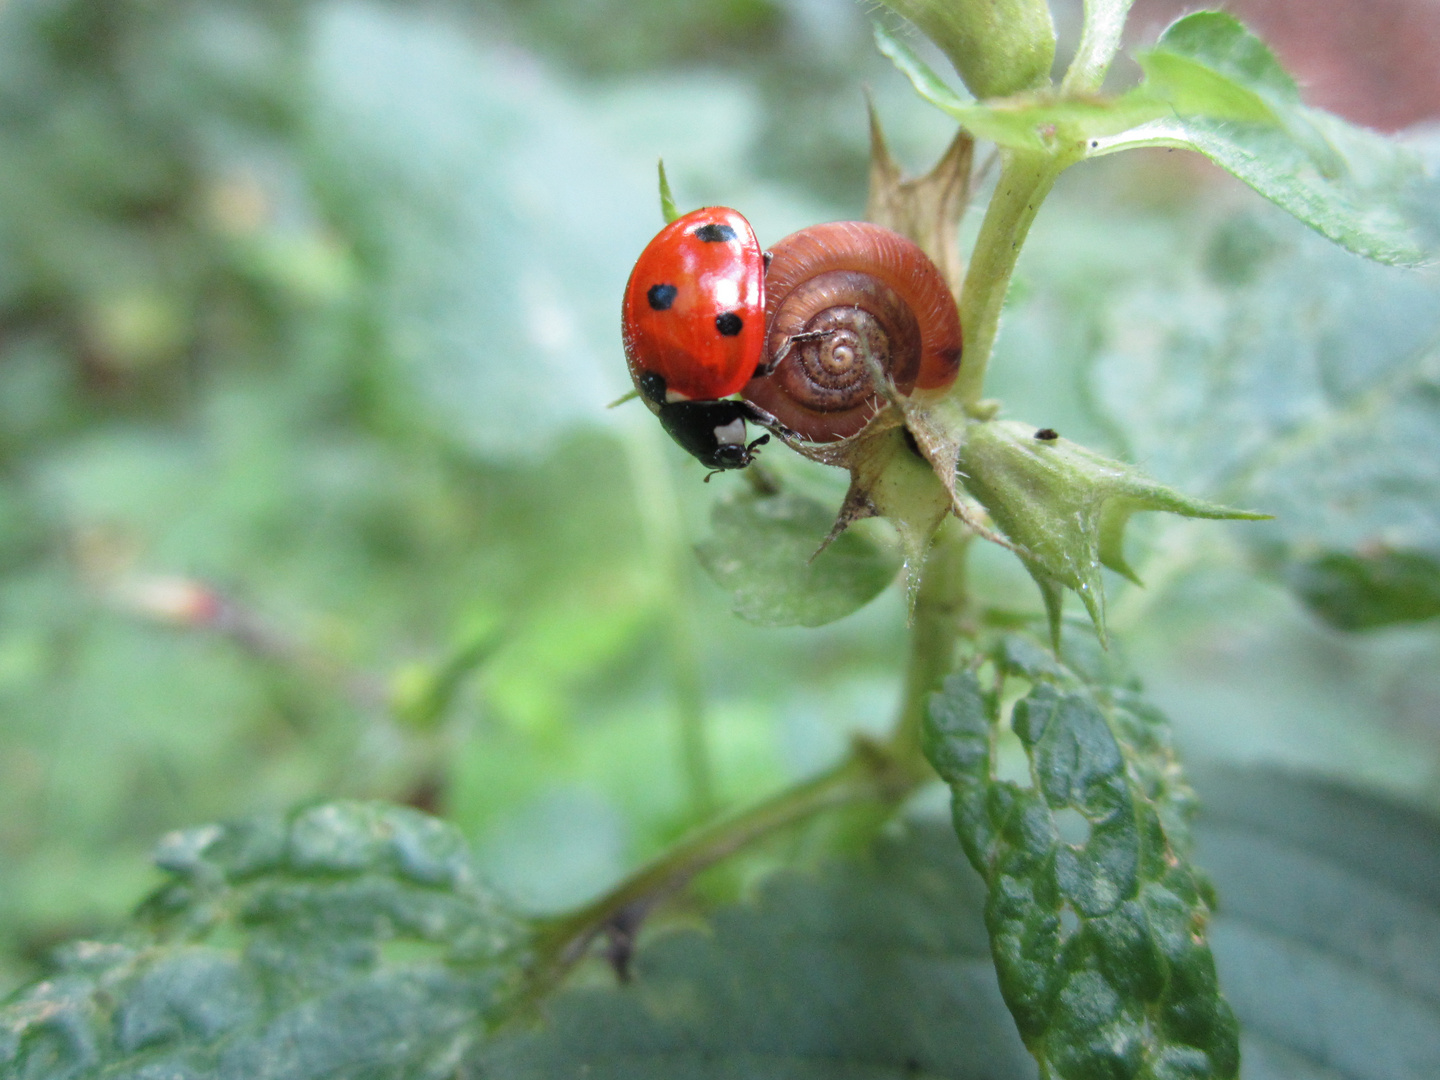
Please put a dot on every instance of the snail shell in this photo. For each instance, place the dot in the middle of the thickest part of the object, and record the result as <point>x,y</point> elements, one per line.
<point>855,286</point>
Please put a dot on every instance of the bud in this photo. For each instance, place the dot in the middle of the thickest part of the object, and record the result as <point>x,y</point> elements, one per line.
<point>999,47</point>
<point>1066,507</point>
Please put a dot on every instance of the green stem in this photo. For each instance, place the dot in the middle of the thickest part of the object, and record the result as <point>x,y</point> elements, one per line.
<point>939,609</point>
<point>868,773</point>
<point>872,772</point>
<point>1025,179</point>
<point>690,698</point>
<point>1099,42</point>
<point>657,503</point>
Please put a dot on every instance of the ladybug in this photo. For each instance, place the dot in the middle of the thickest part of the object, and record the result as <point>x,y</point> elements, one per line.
<point>693,324</point>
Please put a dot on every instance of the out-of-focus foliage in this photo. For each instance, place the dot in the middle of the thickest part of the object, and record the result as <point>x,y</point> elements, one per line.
<point>347,938</point>
<point>306,330</point>
<point>307,322</point>
<point>352,939</point>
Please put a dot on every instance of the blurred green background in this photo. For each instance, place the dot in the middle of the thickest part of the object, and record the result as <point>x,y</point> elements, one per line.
<point>308,321</point>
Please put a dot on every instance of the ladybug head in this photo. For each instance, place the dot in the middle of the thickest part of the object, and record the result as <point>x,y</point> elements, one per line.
<point>713,431</point>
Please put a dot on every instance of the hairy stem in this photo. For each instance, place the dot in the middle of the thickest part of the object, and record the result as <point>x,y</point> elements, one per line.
<point>1025,179</point>
<point>1099,42</point>
<point>939,608</point>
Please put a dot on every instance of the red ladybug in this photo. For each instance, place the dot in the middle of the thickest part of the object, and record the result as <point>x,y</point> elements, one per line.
<point>694,329</point>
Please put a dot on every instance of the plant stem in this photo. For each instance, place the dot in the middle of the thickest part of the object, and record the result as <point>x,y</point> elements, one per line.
<point>1025,179</point>
<point>690,697</point>
<point>939,608</point>
<point>656,501</point>
<point>869,772</point>
<point>881,773</point>
<point>1099,42</point>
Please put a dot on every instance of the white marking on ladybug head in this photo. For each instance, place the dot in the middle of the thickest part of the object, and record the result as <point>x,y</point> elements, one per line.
<point>672,396</point>
<point>731,434</point>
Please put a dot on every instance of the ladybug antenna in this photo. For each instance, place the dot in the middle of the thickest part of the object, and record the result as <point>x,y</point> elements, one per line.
<point>761,441</point>
<point>712,472</point>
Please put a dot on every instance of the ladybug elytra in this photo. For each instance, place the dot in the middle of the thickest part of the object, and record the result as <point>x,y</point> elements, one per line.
<point>693,323</point>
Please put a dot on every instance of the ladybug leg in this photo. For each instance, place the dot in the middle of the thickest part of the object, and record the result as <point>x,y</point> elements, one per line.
<point>757,415</point>
<point>794,339</point>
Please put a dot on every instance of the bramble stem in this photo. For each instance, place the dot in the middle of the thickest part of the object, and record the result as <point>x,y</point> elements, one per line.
<point>937,627</point>
<point>869,773</point>
<point>883,773</point>
<point>1025,179</point>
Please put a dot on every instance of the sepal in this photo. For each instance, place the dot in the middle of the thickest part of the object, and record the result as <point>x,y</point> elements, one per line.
<point>1066,507</point>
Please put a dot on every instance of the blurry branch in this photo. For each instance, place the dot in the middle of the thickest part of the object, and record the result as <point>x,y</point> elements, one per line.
<point>657,505</point>
<point>417,696</point>
<point>190,604</point>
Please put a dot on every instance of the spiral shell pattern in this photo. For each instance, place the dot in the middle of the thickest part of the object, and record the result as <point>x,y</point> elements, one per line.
<point>844,289</point>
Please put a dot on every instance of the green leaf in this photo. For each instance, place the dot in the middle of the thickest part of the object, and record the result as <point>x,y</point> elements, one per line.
<point>667,200</point>
<point>1328,937</point>
<point>1221,43</point>
<point>1096,915</point>
<point>1066,506</point>
<point>921,75</point>
<point>348,939</point>
<point>1231,101</point>
<point>1328,943</point>
<point>763,552</point>
<point>1362,590</point>
<point>865,971</point>
<point>1212,87</point>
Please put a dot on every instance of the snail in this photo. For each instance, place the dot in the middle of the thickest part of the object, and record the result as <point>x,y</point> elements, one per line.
<point>831,292</point>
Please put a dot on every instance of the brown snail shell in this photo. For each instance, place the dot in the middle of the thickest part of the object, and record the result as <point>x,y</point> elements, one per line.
<point>855,286</point>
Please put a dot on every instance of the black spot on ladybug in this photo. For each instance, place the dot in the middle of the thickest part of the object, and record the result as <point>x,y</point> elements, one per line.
<point>728,323</point>
<point>661,296</point>
<point>714,233</point>
<point>1046,434</point>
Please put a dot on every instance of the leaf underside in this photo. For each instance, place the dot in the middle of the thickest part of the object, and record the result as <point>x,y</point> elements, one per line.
<point>763,552</point>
